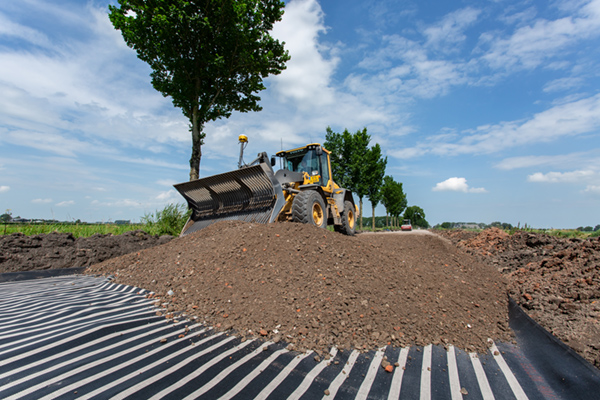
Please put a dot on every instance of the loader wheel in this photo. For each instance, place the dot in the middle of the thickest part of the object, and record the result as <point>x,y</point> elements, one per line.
<point>308,208</point>
<point>348,219</point>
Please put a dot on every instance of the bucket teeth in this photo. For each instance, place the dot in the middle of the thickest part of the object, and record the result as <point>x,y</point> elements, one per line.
<point>249,194</point>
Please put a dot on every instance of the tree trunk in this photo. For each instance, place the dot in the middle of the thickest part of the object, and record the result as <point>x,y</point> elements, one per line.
<point>387,221</point>
<point>373,205</point>
<point>360,211</point>
<point>196,146</point>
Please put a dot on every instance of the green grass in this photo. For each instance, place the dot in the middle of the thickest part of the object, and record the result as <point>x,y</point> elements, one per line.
<point>168,221</point>
<point>78,230</point>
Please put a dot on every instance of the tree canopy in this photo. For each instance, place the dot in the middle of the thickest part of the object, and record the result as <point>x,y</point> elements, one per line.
<point>349,161</point>
<point>393,197</point>
<point>416,216</point>
<point>375,165</point>
<point>210,57</point>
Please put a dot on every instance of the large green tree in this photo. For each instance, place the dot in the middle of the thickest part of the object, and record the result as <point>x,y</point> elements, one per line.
<point>416,216</point>
<point>360,150</point>
<point>209,56</point>
<point>374,167</point>
<point>348,161</point>
<point>340,145</point>
<point>392,198</point>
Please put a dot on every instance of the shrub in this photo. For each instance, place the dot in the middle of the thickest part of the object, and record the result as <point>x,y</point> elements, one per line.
<point>168,221</point>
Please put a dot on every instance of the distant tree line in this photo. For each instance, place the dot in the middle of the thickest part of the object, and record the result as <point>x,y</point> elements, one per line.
<point>500,225</point>
<point>359,167</point>
<point>589,229</point>
<point>473,225</point>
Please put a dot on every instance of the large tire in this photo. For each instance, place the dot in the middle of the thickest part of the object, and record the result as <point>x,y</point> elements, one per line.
<point>309,208</point>
<point>348,219</point>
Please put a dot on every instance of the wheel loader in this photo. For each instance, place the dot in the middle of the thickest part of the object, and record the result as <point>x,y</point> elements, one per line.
<point>301,191</point>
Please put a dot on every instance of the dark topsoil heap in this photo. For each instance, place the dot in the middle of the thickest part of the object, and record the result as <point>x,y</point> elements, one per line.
<point>556,280</point>
<point>19,252</point>
<point>314,289</point>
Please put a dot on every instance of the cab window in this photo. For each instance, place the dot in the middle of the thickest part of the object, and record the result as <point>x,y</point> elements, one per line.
<point>324,169</point>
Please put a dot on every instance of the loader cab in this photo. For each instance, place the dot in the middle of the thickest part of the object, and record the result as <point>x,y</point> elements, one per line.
<point>312,159</point>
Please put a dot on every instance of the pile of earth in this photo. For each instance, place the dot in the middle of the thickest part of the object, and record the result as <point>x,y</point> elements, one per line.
<point>555,280</point>
<point>19,252</point>
<point>314,289</point>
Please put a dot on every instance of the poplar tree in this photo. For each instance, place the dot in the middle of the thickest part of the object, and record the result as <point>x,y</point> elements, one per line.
<point>209,56</point>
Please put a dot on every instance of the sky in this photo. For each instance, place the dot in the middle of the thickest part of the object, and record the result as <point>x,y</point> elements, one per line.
<point>486,110</point>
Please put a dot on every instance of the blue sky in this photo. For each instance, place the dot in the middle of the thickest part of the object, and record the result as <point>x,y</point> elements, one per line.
<point>487,110</point>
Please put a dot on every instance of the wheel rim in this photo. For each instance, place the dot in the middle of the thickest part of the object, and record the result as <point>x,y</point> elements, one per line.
<point>317,214</point>
<point>350,219</point>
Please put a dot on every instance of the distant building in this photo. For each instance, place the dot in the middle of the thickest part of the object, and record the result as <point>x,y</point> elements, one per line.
<point>470,226</point>
<point>123,222</point>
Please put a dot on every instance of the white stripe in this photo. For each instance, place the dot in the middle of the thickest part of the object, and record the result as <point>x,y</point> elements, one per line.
<point>40,301</point>
<point>64,307</point>
<point>512,381</point>
<point>74,349</point>
<point>248,378</point>
<point>484,385</point>
<point>335,385</point>
<point>280,377</point>
<point>223,374</point>
<point>56,322</point>
<point>310,377</point>
<point>199,371</point>
<point>163,373</point>
<point>426,374</point>
<point>453,374</point>
<point>89,366</point>
<point>42,337</point>
<point>75,360</point>
<point>366,384</point>
<point>398,374</point>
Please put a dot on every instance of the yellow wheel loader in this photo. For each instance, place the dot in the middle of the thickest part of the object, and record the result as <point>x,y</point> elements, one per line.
<point>301,191</point>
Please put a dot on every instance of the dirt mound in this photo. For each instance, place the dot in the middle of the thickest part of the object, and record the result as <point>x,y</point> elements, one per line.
<point>313,288</point>
<point>556,280</point>
<point>19,252</point>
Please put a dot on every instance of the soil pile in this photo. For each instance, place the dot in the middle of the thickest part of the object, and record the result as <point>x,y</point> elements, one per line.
<point>556,280</point>
<point>19,252</point>
<point>314,289</point>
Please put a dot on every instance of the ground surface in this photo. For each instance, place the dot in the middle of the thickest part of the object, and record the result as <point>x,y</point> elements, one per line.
<point>556,281</point>
<point>314,288</point>
<point>61,250</point>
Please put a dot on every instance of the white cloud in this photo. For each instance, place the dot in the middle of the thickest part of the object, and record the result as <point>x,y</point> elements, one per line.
<point>564,120</point>
<point>120,203</point>
<point>41,201</point>
<point>562,161</point>
<point>450,30</point>
<point>595,189</point>
<point>307,77</point>
<point>563,84</point>
<point>562,177</point>
<point>4,189</point>
<point>529,46</point>
<point>65,203</point>
<point>165,182</point>
<point>456,185</point>
<point>169,196</point>
<point>406,70</point>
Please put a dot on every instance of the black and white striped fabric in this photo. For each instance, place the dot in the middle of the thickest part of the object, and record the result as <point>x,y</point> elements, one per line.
<point>86,337</point>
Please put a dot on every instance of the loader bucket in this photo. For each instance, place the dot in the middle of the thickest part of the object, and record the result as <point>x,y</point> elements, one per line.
<point>250,194</point>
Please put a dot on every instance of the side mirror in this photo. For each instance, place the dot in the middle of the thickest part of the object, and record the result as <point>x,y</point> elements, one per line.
<point>319,151</point>
<point>273,161</point>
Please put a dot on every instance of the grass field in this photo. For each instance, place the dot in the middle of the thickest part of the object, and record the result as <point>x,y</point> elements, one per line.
<point>78,230</point>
